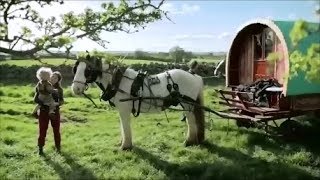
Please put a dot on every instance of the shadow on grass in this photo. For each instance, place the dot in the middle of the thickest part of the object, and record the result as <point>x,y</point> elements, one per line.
<point>77,171</point>
<point>308,138</point>
<point>238,166</point>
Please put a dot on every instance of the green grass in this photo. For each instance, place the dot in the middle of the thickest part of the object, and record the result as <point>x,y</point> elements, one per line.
<point>90,151</point>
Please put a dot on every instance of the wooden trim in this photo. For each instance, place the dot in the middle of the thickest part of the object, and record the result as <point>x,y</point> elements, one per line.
<point>252,58</point>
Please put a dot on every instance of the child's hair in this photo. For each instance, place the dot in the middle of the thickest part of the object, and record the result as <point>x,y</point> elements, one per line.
<point>44,73</point>
<point>193,64</point>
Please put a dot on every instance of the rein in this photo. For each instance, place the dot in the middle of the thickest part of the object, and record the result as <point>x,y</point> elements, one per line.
<point>84,94</point>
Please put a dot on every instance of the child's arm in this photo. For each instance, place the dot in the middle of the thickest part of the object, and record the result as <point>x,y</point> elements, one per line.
<point>49,88</point>
<point>36,98</point>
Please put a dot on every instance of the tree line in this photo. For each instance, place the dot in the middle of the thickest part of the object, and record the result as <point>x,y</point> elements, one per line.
<point>176,54</point>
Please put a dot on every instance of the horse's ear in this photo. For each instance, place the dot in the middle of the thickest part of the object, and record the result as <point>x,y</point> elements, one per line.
<point>88,56</point>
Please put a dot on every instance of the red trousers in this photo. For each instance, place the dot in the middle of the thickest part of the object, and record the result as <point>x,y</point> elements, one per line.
<point>43,127</point>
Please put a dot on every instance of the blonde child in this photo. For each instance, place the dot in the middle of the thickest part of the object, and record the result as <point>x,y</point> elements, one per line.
<point>45,90</point>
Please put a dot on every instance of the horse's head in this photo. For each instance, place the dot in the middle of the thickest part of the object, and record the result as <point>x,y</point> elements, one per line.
<point>85,72</point>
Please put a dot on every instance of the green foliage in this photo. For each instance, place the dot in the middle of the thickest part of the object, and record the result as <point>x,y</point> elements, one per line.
<point>106,57</point>
<point>188,56</point>
<point>273,57</point>
<point>307,62</point>
<point>140,54</point>
<point>177,54</point>
<point>61,32</point>
<point>299,32</point>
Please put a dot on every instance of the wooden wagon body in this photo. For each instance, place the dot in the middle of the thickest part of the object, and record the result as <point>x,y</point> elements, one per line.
<point>247,63</point>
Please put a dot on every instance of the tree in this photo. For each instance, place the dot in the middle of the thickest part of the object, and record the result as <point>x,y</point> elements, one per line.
<point>177,54</point>
<point>188,56</point>
<point>307,62</point>
<point>139,54</point>
<point>62,32</point>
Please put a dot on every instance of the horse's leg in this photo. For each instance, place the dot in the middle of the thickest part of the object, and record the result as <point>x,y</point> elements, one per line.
<point>192,137</point>
<point>126,142</point>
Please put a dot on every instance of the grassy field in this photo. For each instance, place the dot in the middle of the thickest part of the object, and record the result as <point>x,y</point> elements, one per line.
<point>90,137</point>
<point>59,61</point>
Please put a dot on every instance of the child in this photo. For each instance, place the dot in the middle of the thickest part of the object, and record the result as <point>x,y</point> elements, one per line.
<point>193,67</point>
<point>44,117</point>
<point>45,90</point>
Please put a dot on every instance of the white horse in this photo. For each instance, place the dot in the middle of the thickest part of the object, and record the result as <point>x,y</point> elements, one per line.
<point>190,85</point>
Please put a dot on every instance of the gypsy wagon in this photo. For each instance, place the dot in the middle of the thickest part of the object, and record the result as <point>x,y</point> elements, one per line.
<point>258,90</point>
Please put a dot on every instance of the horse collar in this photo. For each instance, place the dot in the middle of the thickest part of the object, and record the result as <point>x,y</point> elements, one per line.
<point>110,91</point>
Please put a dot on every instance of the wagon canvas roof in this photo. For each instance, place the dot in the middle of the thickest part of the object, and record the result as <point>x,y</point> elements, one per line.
<point>292,86</point>
<point>286,27</point>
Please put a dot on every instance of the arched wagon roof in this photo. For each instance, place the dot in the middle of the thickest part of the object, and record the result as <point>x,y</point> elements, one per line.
<point>282,29</point>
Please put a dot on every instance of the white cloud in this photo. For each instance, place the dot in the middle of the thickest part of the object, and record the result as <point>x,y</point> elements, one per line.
<point>269,17</point>
<point>292,16</point>
<point>193,36</point>
<point>183,10</point>
<point>180,37</point>
<point>224,35</point>
<point>189,9</point>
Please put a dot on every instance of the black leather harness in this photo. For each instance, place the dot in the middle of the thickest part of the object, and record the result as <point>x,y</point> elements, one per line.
<point>174,98</point>
<point>137,91</point>
<point>138,86</point>
<point>111,90</point>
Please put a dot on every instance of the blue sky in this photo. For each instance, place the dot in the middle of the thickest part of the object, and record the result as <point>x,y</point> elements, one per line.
<point>198,25</point>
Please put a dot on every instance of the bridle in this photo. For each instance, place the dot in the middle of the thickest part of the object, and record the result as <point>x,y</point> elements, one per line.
<point>91,74</point>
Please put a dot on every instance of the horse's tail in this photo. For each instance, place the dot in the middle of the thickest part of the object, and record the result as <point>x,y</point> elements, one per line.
<point>199,115</point>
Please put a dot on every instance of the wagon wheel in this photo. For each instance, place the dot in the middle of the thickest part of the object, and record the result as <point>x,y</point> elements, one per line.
<point>290,129</point>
